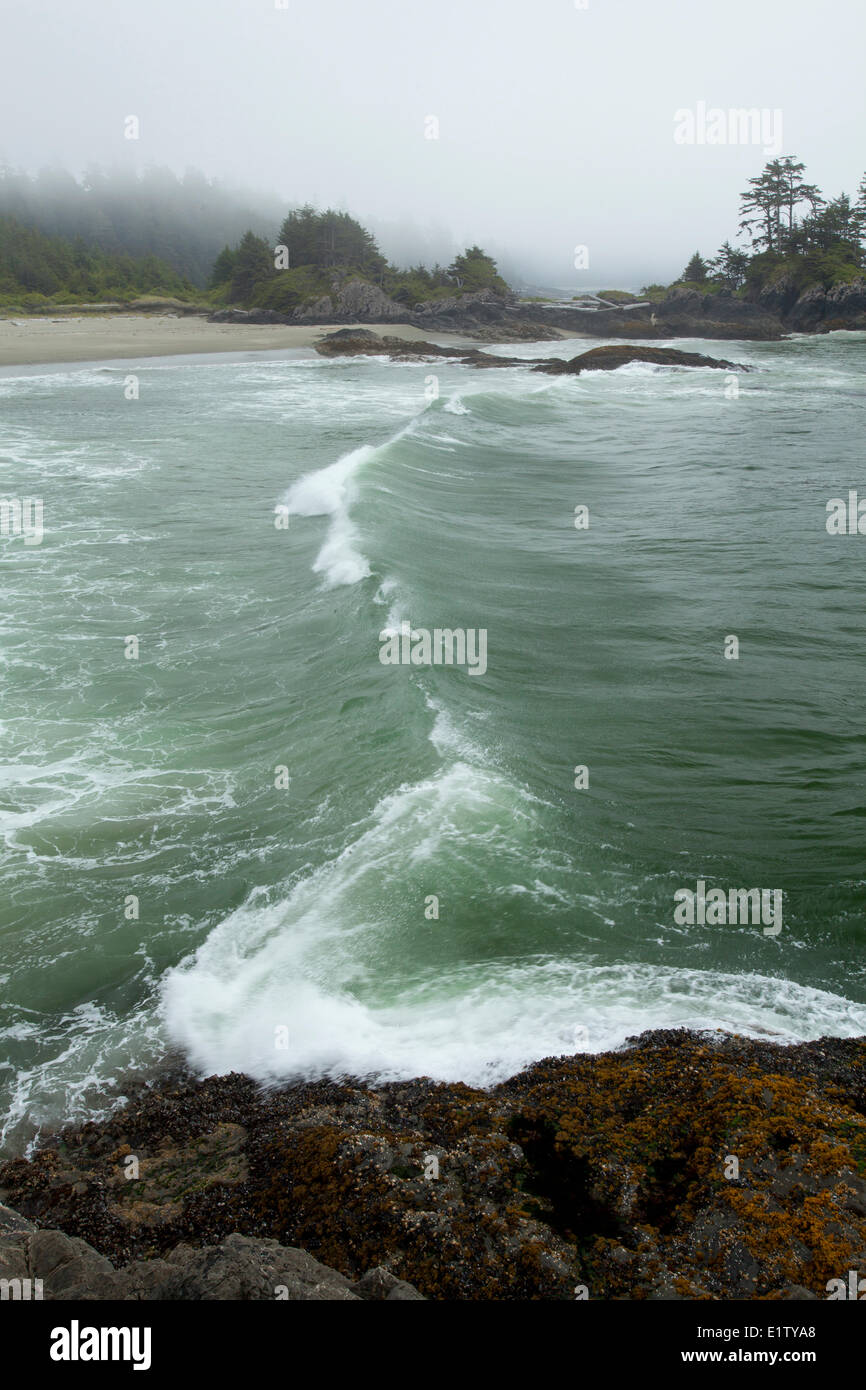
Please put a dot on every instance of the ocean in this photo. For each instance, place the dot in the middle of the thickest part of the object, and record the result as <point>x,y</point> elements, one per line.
<point>234,835</point>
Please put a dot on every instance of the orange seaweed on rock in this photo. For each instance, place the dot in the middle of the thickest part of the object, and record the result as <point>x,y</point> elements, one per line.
<point>614,1171</point>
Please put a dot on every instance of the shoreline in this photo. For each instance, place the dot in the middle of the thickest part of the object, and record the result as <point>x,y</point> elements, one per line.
<point>32,342</point>
<point>172,1071</point>
<point>609,1170</point>
<point>37,341</point>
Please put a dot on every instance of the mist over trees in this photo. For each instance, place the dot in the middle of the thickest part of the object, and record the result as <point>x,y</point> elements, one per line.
<point>36,269</point>
<point>116,236</point>
<point>769,204</point>
<point>182,221</point>
<point>203,232</point>
<point>793,231</point>
<point>318,247</point>
<point>330,239</point>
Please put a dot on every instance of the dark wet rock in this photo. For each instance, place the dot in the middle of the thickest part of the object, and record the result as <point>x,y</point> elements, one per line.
<point>846,306</point>
<point>465,313</point>
<point>777,310</point>
<point>818,310</point>
<point>815,309</point>
<point>683,313</point>
<point>349,336</point>
<point>360,342</point>
<point>808,310</point>
<point>612,1171</point>
<point>358,299</point>
<point>356,342</point>
<point>607,359</point>
<point>351,300</point>
<point>353,342</point>
<point>779,297</point>
<point>780,308</point>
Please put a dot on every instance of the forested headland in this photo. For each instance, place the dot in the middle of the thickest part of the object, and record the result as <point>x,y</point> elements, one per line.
<point>113,237</point>
<point>796,237</point>
<point>317,251</point>
<point>116,237</point>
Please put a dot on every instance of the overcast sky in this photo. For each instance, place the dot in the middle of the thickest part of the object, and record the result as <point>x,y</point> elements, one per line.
<point>555,123</point>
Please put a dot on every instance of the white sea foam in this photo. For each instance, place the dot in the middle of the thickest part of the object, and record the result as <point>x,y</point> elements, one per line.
<point>329,492</point>
<point>87,1051</point>
<point>446,735</point>
<point>292,963</point>
<point>74,792</point>
<point>480,1024</point>
<point>353,977</point>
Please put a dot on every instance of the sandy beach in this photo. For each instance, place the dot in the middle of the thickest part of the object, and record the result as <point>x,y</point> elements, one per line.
<point>101,338</point>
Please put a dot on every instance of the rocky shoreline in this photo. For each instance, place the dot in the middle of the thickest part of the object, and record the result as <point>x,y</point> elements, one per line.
<point>683,313</point>
<point>493,318</point>
<point>682,1166</point>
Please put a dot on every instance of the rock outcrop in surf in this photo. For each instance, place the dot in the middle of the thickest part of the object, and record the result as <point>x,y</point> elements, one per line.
<point>362,342</point>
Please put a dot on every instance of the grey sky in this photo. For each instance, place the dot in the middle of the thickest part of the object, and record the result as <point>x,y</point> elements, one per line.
<point>555,123</point>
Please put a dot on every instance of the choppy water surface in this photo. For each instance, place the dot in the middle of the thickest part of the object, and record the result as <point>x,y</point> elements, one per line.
<point>286,931</point>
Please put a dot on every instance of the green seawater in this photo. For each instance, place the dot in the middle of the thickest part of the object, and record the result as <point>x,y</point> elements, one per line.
<point>162,890</point>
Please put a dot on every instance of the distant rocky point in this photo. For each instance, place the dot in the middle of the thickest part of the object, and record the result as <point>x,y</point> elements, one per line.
<point>682,313</point>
